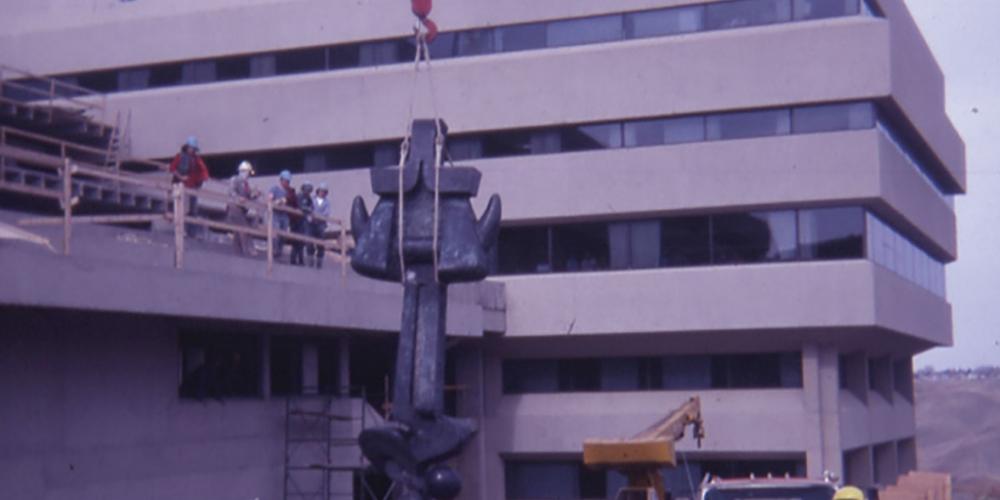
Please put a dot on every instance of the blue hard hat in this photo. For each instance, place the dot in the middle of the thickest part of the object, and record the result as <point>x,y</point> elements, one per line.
<point>192,141</point>
<point>285,175</point>
<point>322,187</point>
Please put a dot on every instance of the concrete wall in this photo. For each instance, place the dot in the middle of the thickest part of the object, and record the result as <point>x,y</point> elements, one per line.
<point>92,412</point>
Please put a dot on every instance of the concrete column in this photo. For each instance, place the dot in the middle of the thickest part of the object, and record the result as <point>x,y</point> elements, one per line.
<point>858,467</point>
<point>821,391</point>
<point>310,368</point>
<point>265,366</point>
<point>344,365</point>
<point>885,467</point>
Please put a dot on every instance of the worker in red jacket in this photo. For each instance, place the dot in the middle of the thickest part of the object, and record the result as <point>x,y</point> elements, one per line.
<point>189,169</point>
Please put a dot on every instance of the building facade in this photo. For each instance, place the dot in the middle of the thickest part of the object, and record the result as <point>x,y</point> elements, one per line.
<point>746,200</point>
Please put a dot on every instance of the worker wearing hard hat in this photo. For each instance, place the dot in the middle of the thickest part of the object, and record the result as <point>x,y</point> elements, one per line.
<point>849,493</point>
<point>189,169</point>
<point>238,210</point>
<point>282,194</point>
<point>321,212</point>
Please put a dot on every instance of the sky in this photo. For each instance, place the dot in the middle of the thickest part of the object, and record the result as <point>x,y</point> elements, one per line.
<point>965,39</point>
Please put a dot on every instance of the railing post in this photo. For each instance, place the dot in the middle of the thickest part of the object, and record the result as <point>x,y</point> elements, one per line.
<point>178,198</point>
<point>269,222</point>
<point>52,97</point>
<point>67,203</point>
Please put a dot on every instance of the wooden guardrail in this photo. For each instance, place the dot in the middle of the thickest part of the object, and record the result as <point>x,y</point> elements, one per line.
<point>53,91</point>
<point>69,169</point>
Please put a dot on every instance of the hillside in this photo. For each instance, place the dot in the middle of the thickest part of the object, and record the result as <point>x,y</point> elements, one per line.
<point>958,431</point>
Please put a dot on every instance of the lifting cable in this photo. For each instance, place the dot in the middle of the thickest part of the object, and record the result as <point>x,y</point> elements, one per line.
<point>424,32</point>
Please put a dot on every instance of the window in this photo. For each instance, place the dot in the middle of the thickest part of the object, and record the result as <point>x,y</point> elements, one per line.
<point>300,61</point>
<point>748,124</point>
<point>586,137</point>
<point>286,365</point>
<point>443,46</point>
<point>740,13</point>
<point>386,52</point>
<point>753,371</point>
<point>634,245</point>
<point>475,42</point>
<point>819,9</point>
<point>525,376</point>
<point>507,144</point>
<point>687,372</point>
<point>133,79</point>
<point>100,81</point>
<point>465,148</point>
<point>553,479</point>
<point>753,237</point>
<point>232,68</point>
<point>386,154</point>
<point>219,365</point>
<point>584,30</point>
<point>521,37</point>
<point>344,56</point>
<point>166,75</point>
<point>685,241</point>
<point>579,375</point>
<point>828,117</point>
<point>664,22</point>
<point>619,374</point>
<point>580,247</point>
<point>524,250</point>
<point>832,233</point>
<point>198,72</point>
<point>667,131</point>
<point>263,65</point>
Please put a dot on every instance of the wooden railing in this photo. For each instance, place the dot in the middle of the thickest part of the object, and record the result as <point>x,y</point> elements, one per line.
<point>70,170</point>
<point>53,91</point>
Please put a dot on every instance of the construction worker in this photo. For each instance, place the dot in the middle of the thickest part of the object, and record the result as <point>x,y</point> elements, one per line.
<point>321,208</point>
<point>302,224</point>
<point>237,212</point>
<point>849,493</point>
<point>189,169</point>
<point>282,194</point>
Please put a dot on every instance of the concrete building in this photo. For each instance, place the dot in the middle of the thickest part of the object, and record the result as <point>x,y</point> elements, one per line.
<point>746,200</point>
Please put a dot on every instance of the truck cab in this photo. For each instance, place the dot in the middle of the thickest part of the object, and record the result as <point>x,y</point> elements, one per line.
<point>768,488</point>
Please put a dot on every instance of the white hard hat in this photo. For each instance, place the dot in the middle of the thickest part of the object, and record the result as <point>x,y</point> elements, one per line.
<point>245,166</point>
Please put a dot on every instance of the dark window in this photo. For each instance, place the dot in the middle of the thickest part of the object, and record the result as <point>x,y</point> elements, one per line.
<point>747,124</point>
<point>100,81</point>
<point>521,37</point>
<point>819,9</point>
<point>664,22</point>
<point>619,374</point>
<point>666,131</point>
<point>345,56</point>
<point>524,376</point>
<point>300,60</point>
<point>684,241</point>
<point>286,366</point>
<point>725,15</point>
<point>825,118</point>
<point>586,137</point>
<point>753,371</point>
<point>386,154</point>
<point>133,79</point>
<point>443,46</point>
<point>475,42</point>
<point>753,237</point>
<point>550,480</point>
<point>465,148</point>
<point>524,250</point>
<point>501,144</point>
<point>219,365</point>
<point>584,30</point>
<point>166,75</point>
<point>329,367</point>
<point>634,245</point>
<point>579,375</point>
<point>232,68</point>
<point>263,65</point>
<point>347,157</point>
<point>580,247</point>
<point>687,372</point>
<point>832,233</point>
<point>198,72</point>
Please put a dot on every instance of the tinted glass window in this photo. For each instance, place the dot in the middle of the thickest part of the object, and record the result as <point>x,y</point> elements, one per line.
<point>133,79</point>
<point>263,65</point>
<point>232,68</point>
<point>101,81</point>
<point>833,117</point>
<point>587,30</point>
<point>684,241</point>
<point>818,9</point>
<point>664,22</point>
<point>546,141</point>
<point>300,61</point>
<point>634,245</point>
<point>745,371</point>
<point>725,15</point>
<point>832,233</point>
<point>465,148</point>
<point>753,237</point>
<point>543,480</point>
<point>443,46</point>
<point>475,42</point>
<point>587,137</point>
<point>748,124</point>
<point>619,374</point>
<point>198,72</point>
<point>669,131</point>
<point>524,250</point>
<point>219,366</point>
<point>386,154</point>
<point>687,372</point>
<point>522,376</point>
<point>580,247</point>
<point>286,365</point>
<point>507,144</point>
<point>164,75</point>
<point>579,375</point>
<point>522,37</point>
<point>345,56</point>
